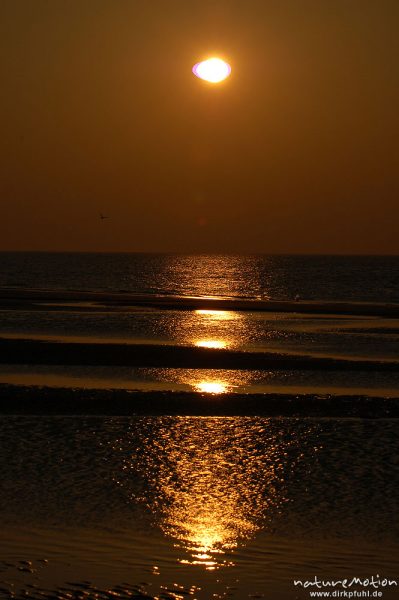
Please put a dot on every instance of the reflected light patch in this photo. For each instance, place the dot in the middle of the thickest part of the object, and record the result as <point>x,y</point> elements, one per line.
<point>211,483</point>
<point>212,70</point>
<point>211,387</point>
<point>211,344</point>
<point>218,315</point>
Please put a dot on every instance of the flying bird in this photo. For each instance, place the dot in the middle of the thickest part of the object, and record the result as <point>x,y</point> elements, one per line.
<point>102,217</point>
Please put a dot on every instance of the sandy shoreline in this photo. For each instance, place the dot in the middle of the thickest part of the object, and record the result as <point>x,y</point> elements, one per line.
<point>42,400</point>
<point>35,298</point>
<point>27,351</point>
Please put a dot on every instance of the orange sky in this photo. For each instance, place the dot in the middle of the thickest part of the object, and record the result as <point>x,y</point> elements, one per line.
<point>298,151</point>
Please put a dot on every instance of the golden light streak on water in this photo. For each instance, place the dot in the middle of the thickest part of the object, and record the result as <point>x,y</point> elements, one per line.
<point>211,483</point>
<point>211,344</point>
<point>211,387</point>
<point>215,507</point>
<point>218,315</point>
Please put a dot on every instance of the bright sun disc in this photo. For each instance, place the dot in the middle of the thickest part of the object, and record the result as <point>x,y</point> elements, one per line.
<point>213,70</point>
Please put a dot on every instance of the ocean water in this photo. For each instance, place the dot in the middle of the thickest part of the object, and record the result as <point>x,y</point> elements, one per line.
<point>174,507</point>
<point>336,278</point>
<point>193,507</point>
<point>312,278</point>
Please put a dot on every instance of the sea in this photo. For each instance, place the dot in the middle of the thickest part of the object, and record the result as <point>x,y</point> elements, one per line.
<point>319,279</point>
<point>329,278</point>
<point>181,506</point>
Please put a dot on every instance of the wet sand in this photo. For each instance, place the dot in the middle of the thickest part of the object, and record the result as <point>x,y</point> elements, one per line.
<point>105,569</point>
<point>41,352</point>
<point>44,299</point>
<point>41,400</point>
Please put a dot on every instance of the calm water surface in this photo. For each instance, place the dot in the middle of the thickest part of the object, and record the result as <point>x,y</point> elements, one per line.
<point>355,278</point>
<point>239,505</point>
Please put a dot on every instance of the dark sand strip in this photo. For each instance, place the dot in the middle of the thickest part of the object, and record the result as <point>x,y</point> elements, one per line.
<point>29,298</point>
<point>37,352</point>
<point>37,400</point>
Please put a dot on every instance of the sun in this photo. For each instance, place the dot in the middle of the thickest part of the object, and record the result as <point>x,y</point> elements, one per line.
<point>213,70</point>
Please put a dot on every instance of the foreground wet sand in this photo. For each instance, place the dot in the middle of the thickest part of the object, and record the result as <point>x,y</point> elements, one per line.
<point>31,351</point>
<point>41,400</point>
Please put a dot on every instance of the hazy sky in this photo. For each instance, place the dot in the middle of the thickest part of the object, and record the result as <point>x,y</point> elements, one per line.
<point>297,152</point>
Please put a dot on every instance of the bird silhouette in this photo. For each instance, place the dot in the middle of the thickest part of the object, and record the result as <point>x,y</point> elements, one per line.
<point>102,217</point>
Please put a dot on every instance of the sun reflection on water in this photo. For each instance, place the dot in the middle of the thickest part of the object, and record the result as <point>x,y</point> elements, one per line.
<point>211,344</point>
<point>209,328</point>
<point>209,322</point>
<point>209,509</point>
<point>211,483</point>
<point>218,315</point>
<point>211,387</point>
